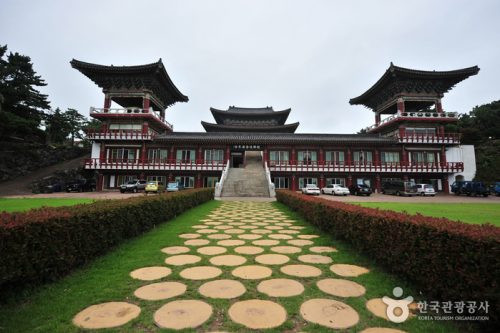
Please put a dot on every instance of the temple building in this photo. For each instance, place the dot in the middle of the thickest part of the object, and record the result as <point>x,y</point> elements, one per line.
<point>408,141</point>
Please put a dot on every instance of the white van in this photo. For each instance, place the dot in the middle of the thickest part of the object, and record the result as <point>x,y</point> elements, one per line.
<point>425,189</point>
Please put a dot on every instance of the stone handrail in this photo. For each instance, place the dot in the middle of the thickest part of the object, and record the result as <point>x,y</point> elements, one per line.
<point>270,184</point>
<point>220,183</point>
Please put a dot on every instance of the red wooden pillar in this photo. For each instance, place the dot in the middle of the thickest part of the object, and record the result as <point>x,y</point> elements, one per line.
<point>439,106</point>
<point>228,153</point>
<point>443,156</point>
<point>401,105</point>
<point>446,185</point>
<point>293,157</point>
<point>265,156</point>
<point>377,118</point>
<point>107,103</point>
<point>145,127</point>
<point>144,155</point>
<point>294,183</point>
<point>404,156</point>
<point>377,157</point>
<point>199,182</point>
<point>321,157</point>
<point>378,186</point>
<point>349,158</point>
<point>401,132</point>
<point>102,153</point>
<point>321,181</point>
<point>100,182</point>
<point>199,156</point>
<point>145,104</point>
<point>349,180</point>
<point>170,177</point>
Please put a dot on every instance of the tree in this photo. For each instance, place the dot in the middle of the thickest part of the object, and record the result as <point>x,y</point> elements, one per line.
<point>57,126</point>
<point>23,106</point>
<point>76,123</point>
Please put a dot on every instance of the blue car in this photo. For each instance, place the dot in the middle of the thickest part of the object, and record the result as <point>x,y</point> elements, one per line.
<point>496,189</point>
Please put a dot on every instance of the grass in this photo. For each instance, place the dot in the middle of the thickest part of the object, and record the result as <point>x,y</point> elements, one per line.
<point>51,308</point>
<point>474,213</point>
<point>23,204</point>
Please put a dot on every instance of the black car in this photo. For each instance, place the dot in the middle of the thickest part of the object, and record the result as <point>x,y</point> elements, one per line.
<point>470,188</point>
<point>81,185</point>
<point>360,189</point>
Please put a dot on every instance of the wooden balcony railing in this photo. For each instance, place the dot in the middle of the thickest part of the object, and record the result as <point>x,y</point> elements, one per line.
<point>414,116</point>
<point>157,165</point>
<point>130,111</point>
<point>118,135</point>
<point>356,167</point>
<point>449,138</point>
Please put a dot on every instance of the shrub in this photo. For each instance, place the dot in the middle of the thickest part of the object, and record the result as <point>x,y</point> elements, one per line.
<point>446,259</point>
<point>44,244</point>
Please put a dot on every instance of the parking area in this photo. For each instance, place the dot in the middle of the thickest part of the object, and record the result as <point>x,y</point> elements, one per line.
<point>439,198</point>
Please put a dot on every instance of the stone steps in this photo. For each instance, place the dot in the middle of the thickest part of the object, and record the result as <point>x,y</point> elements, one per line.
<point>249,181</point>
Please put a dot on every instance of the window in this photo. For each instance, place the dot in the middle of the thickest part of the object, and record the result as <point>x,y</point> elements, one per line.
<point>157,155</point>
<point>278,157</point>
<point>188,182</point>
<point>304,181</point>
<point>185,155</point>
<point>422,157</point>
<point>122,154</point>
<point>390,157</point>
<point>280,182</point>
<point>338,181</point>
<point>125,127</point>
<point>420,131</point>
<point>161,179</point>
<point>334,157</point>
<point>362,157</point>
<point>214,155</point>
<point>307,157</point>
<point>210,181</point>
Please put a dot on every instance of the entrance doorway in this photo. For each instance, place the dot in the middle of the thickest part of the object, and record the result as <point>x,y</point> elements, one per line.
<point>237,160</point>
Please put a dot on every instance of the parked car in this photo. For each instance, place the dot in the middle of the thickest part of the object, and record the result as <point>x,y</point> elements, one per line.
<point>496,189</point>
<point>425,189</point>
<point>470,188</point>
<point>399,187</point>
<point>81,185</point>
<point>135,186</point>
<point>311,189</point>
<point>154,186</point>
<point>360,189</point>
<point>335,189</point>
<point>174,187</point>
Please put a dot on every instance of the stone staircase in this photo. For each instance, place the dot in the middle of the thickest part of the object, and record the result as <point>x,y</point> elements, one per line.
<point>249,181</point>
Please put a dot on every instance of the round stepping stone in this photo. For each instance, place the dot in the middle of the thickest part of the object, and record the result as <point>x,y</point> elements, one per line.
<point>200,273</point>
<point>189,236</point>
<point>150,273</point>
<point>257,314</point>
<point>211,250</point>
<point>348,270</point>
<point>301,270</point>
<point>196,242</point>
<point>322,249</point>
<point>272,259</point>
<point>231,242</point>
<point>273,227</point>
<point>248,227</point>
<point>228,260</point>
<point>289,232</point>
<point>329,313</point>
<point>341,287</point>
<point>182,259</point>
<point>248,250</point>
<point>297,227</point>
<point>161,290</point>
<point>199,226</point>
<point>300,242</point>
<point>175,249</point>
<point>284,224</point>
<point>213,223</point>
<point>182,314</point>
<point>249,236</point>
<point>377,307</point>
<point>266,242</point>
<point>381,330</point>
<point>252,272</point>
<point>280,288</point>
<point>222,289</point>
<point>206,231</point>
<point>106,315</point>
<point>219,236</point>
<point>261,231</point>
<point>315,259</point>
<point>307,236</point>
<point>234,231</point>
<point>236,223</point>
<point>261,224</point>
<point>280,236</point>
<point>223,227</point>
<point>286,249</point>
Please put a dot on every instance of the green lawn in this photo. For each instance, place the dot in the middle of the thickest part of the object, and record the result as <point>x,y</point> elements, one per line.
<point>475,213</point>
<point>22,204</point>
<point>52,307</point>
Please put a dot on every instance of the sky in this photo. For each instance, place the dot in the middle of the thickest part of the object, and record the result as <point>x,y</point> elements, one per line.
<point>311,56</point>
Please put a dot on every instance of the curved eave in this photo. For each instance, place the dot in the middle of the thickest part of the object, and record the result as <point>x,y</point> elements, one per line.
<point>275,138</point>
<point>288,128</point>
<point>280,116</point>
<point>393,72</point>
<point>156,70</point>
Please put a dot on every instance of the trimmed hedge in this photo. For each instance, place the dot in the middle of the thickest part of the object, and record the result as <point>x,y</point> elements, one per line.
<point>45,244</point>
<point>447,260</point>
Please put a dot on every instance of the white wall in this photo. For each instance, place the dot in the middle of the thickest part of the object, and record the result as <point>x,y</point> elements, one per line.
<point>465,154</point>
<point>96,149</point>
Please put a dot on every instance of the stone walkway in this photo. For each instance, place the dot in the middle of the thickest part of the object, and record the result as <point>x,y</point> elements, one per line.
<point>243,248</point>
